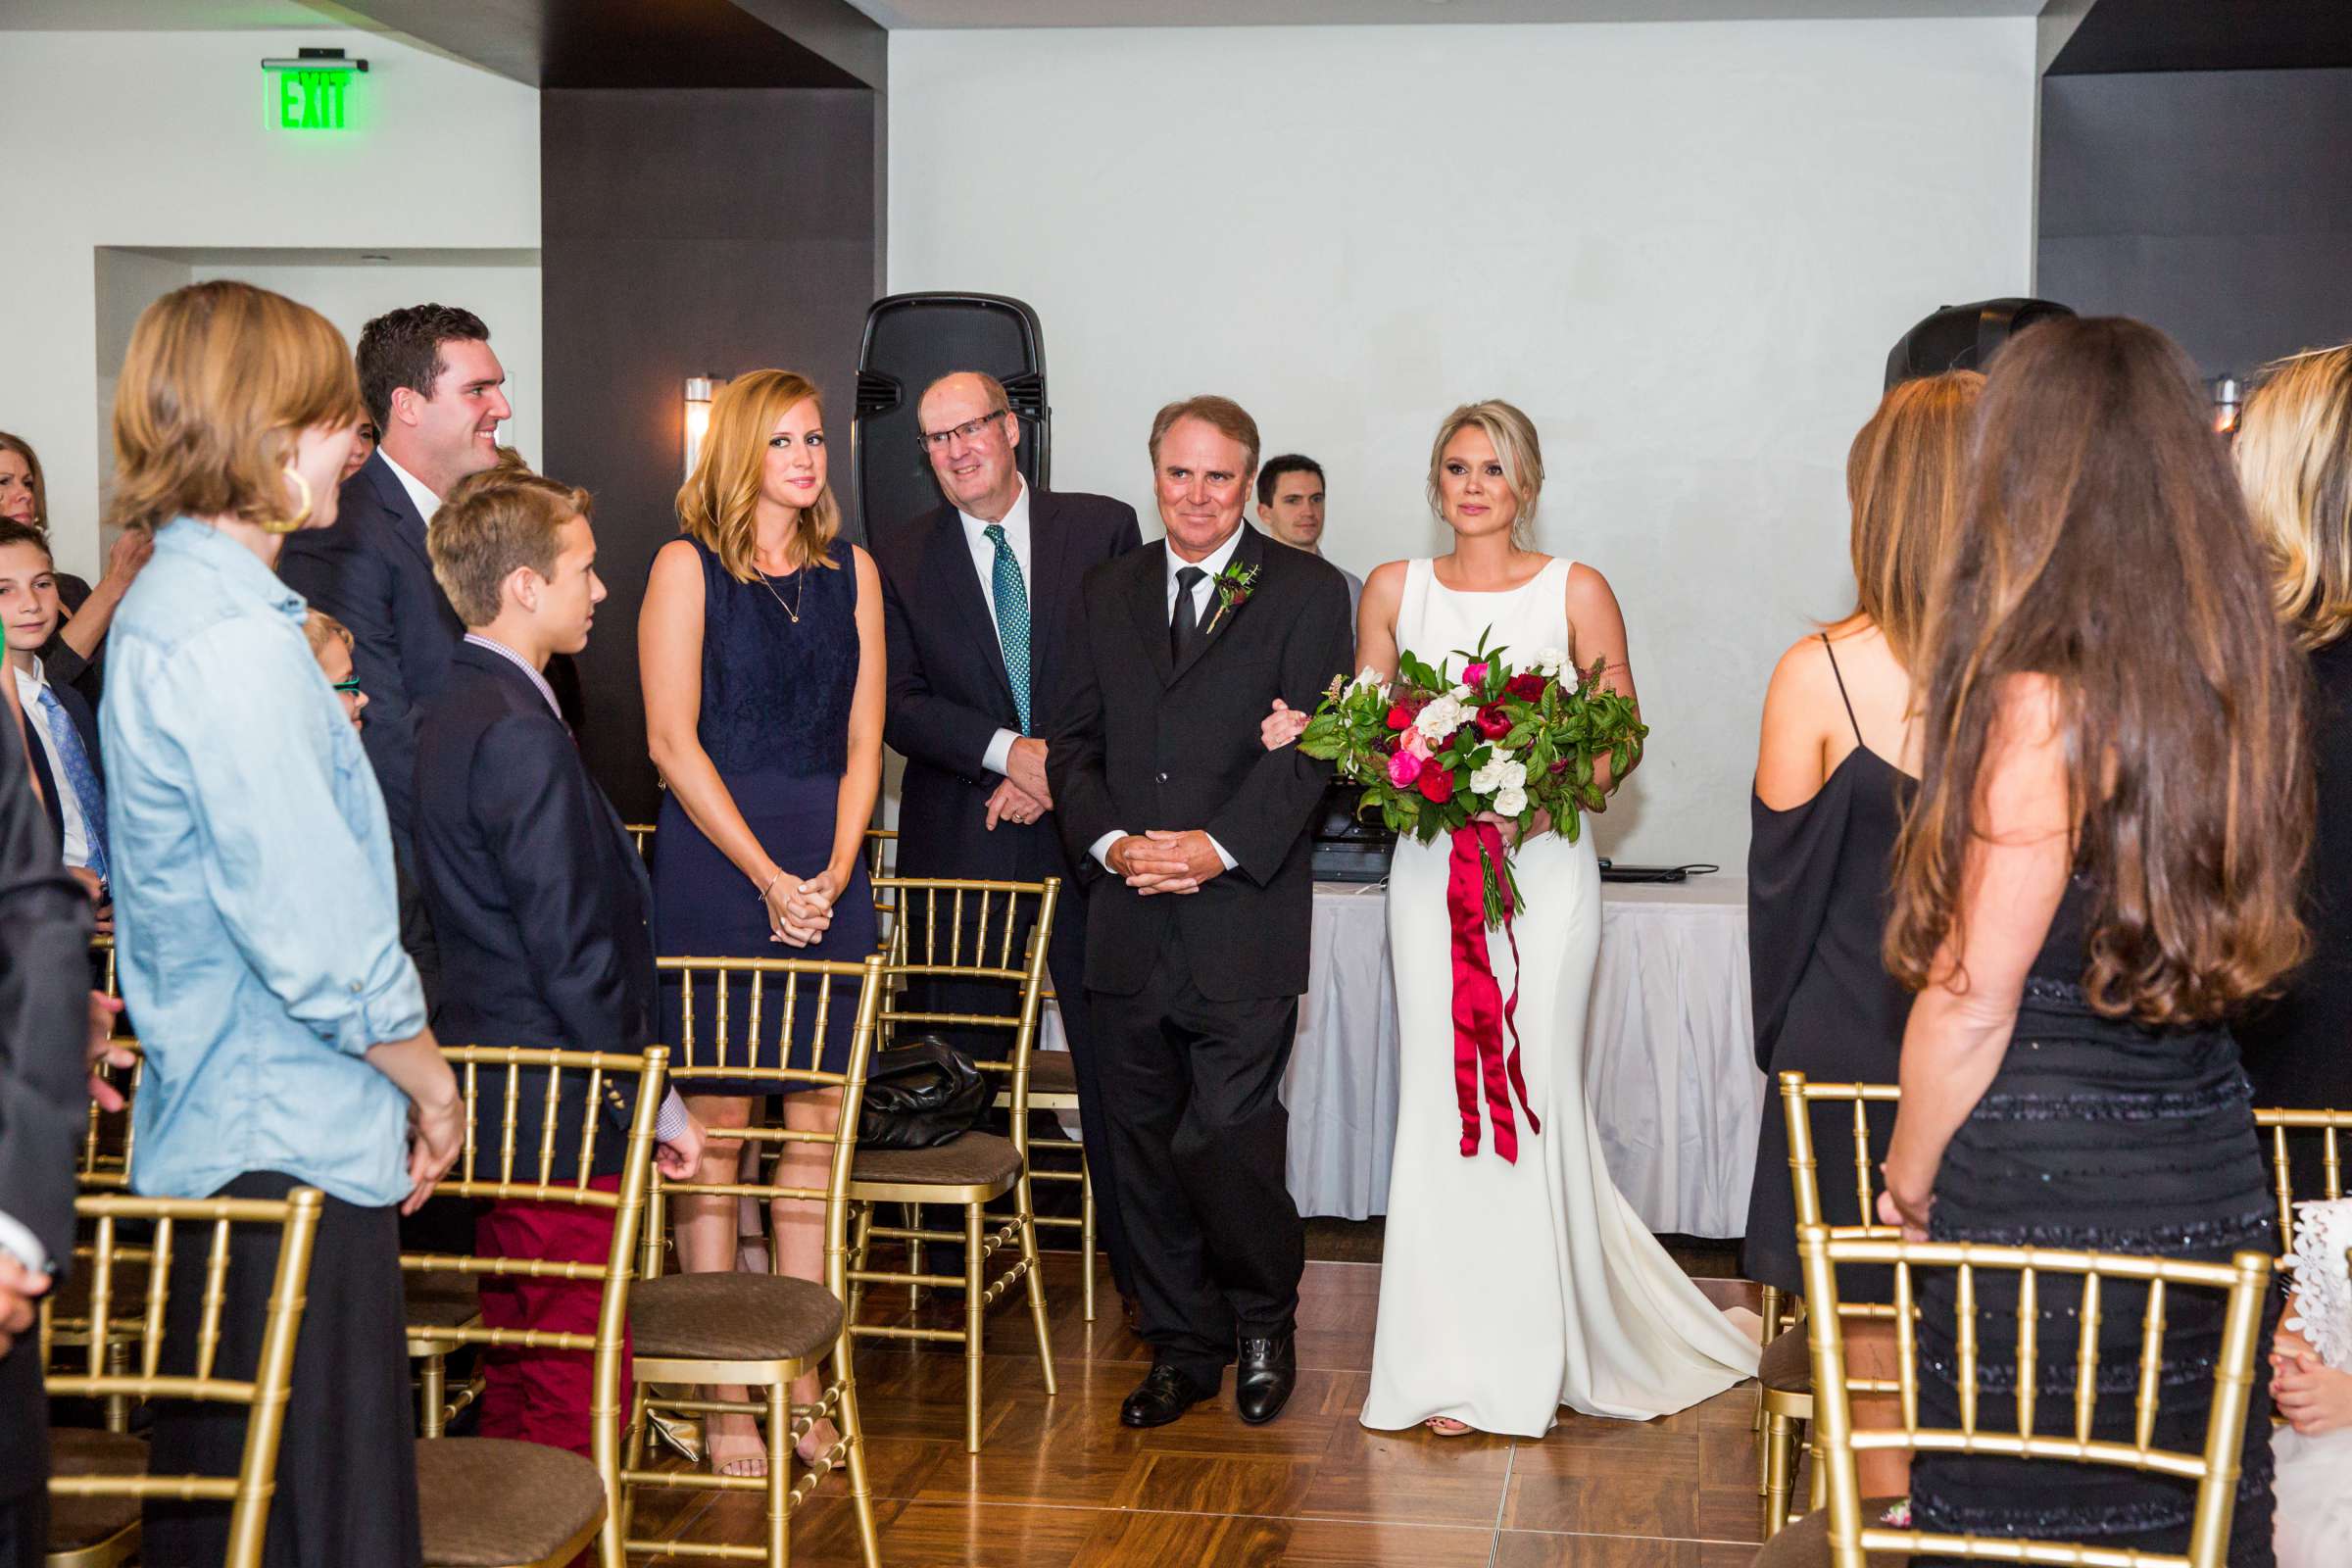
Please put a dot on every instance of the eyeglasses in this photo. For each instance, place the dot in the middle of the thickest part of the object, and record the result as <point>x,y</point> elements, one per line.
<point>969,431</point>
<point>351,685</point>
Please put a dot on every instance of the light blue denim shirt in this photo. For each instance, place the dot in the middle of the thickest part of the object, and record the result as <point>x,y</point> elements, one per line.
<point>256,918</point>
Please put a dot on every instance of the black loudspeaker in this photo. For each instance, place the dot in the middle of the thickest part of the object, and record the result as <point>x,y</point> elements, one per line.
<point>910,341</point>
<point>1963,337</point>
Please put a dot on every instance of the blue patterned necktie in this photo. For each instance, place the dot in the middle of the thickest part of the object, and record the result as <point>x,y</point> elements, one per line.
<point>80,778</point>
<point>1012,619</point>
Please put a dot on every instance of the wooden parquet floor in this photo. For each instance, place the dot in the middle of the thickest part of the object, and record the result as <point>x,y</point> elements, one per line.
<point>1060,1484</point>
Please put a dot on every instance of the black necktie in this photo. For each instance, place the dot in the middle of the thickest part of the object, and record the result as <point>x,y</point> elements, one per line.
<point>1184,627</point>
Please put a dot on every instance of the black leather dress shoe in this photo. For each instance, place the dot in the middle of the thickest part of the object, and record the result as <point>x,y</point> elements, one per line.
<point>1264,1376</point>
<point>1165,1394</point>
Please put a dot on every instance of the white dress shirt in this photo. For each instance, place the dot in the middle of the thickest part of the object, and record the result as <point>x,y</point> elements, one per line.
<point>29,686</point>
<point>424,501</point>
<point>997,758</point>
<point>1202,591</point>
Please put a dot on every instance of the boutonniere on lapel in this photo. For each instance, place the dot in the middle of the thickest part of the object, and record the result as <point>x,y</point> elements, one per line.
<point>1235,584</point>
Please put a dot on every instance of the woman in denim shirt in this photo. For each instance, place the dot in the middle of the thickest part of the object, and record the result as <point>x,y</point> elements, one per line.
<point>256,920</point>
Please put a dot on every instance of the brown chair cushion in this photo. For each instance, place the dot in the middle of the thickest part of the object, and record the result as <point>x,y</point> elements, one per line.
<point>732,1317</point>
<point>1051,1072</point>
<point>77,1523</point>
<point>969,1159</point>
<point>1786,1365</point>
<point>1805,1544</point>
<point>443,1299</point>
<point>487,1502</point>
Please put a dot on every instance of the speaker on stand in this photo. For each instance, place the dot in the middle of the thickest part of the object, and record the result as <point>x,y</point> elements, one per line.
<point>1964,337</point>
<point>910,341</point>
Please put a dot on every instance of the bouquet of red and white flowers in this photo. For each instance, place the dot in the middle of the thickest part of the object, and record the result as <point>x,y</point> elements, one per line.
<point>1433,752</point>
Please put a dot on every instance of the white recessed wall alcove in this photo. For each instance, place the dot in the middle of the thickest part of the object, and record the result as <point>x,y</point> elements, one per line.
<point>347,286</point>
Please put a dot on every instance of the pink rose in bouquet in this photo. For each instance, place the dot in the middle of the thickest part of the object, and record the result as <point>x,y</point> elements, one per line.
<point>1403,769</point>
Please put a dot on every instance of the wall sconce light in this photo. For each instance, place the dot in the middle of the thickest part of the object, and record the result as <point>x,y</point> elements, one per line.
<point>699,389</point>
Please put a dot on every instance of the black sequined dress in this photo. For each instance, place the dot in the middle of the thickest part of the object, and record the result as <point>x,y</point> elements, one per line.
<point>2101,1135</point>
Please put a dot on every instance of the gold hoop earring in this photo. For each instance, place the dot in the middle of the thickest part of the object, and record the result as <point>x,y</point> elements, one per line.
<point>290,524</point>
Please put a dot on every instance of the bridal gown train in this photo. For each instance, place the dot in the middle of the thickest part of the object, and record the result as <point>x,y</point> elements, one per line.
<point>1508,1290</point>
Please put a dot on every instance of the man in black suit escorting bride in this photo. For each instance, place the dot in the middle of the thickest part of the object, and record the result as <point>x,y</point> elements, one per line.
<point>1192,838</point>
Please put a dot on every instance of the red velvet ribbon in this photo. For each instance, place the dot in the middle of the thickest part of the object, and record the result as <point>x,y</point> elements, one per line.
<point>1481,1014</point>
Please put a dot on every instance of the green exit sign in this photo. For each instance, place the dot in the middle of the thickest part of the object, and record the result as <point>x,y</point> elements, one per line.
<point>312,91</point>
<point>313,100</point>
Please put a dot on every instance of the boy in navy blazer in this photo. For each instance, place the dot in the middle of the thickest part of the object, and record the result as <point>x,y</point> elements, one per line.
<point>540,905</point>
<point>60,730</point>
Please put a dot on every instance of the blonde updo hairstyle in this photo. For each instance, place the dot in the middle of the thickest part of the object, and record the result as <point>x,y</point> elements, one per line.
<point>1513,434</point>
<point>2294,459</point>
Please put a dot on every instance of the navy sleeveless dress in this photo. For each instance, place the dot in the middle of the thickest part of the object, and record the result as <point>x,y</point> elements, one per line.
<point>2099,1134</point>
<point>775,723</point>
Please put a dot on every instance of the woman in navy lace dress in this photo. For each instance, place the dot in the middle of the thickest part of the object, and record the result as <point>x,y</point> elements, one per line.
<point>761,651</point>
<point>2101,865</point>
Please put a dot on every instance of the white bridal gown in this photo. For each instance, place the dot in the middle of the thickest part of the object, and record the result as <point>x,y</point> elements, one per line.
<point>1508,1290</point>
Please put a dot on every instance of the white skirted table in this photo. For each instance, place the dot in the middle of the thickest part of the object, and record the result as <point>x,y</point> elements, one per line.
<point>1670,1062</point>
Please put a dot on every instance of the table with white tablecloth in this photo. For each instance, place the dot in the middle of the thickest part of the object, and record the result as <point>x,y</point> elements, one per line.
<point>1669,1055</point>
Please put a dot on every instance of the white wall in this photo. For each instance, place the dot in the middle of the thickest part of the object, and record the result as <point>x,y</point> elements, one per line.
<point>503,293</point>
<point>1683,248</point>
<point>162,140</point>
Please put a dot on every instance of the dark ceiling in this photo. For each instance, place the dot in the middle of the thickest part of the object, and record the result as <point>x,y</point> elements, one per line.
<point>646,43</point>
<point>2122,35</point>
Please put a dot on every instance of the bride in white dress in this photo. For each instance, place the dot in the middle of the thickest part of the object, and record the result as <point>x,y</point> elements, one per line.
<point>1509,1289</point>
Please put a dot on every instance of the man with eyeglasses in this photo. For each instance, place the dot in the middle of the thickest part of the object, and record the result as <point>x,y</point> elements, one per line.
<point>978,601</point>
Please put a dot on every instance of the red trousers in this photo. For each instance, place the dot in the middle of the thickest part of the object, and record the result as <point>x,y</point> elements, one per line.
<point>542,1396</point>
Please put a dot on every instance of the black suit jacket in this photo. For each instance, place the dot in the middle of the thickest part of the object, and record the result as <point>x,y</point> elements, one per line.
<point>1140,743</point>
<point>86,725</point>
<point>44,1012</point>
<point>538,900</point>
<point>949,694</point>
<point>370,572</point>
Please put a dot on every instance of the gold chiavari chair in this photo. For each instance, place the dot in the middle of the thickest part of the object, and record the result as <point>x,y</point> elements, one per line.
<point>1053,1086</point>
<point>2277,1124</point>
<point>526,1505</point>
<point>1843,1535</point>
<point>103,1165</point>
<point>973,933</point>
<point>1784,1371</point>
<point>760,1331</point>
<point>100,1477</point>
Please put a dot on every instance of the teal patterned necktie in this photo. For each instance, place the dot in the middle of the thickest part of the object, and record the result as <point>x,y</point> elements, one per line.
<point>1012,619</point>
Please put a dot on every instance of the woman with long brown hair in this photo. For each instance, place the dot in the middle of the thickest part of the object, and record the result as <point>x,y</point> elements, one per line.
<point>2100,866</point>
<point>759,649</point>
<point>1834,765</point>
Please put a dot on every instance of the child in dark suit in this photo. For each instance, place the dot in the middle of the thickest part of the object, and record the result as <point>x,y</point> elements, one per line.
<point>539,902</point>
